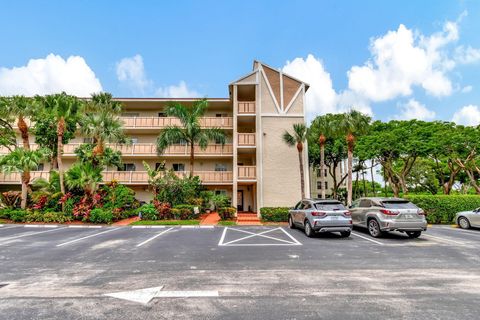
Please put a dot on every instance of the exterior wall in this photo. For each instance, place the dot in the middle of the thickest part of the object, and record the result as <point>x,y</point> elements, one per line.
<point>315,179</point>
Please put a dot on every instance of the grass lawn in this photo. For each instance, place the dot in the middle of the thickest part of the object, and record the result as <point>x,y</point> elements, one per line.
<point>165,222</point>
<point>227,223</point>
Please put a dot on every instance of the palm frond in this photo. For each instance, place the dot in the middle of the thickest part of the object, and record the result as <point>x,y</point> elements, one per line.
<point>169,136</point>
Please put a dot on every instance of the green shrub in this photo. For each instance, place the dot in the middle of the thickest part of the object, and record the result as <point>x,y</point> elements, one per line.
<point>148,212</point>
<point>220,201</point>
<point>57,217</point>
<point>35,216</point>
<point>118,196</point>
<point>100,215</point>
<point>184,212</point>
<point>442,208</point>
<point>18,215</point>
<point>5,213</point>
<point>275,214</point>
<point>227,213</point>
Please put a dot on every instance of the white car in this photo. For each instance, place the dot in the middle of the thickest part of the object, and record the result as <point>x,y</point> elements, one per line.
<point>468,219</point>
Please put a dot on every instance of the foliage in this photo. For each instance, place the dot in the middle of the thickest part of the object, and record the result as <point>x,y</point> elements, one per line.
<point>184,212</point>
<point>10,199</point>
<point>442,208</point>
<point>220,201</point>
<point>83,176</point>
<point>275,214</point>
<point>298,138</point>
<point>101,215</point>
<point>57,217</point>
<point>190,131</point>
<point>18,215</point>
<point>5,213</point>
<point>226,213</point>
<point>148,212</point>
<point>118,196</point>
<point>108,158</point>
<point>164,209</point>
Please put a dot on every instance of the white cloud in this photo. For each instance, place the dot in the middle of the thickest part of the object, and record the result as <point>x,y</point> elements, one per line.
<point>415,110</point>
<point>467,115</point>
<point>466,55</point>
<point>131,71</point>
<point>50,75</point>
<point>177,91</point>
<point>466,89</point>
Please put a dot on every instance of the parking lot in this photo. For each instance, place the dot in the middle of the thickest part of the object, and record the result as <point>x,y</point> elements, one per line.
<point>77,272</point>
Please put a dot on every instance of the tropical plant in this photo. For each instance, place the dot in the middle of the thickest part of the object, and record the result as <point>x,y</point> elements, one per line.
<point>298,139</point>
<point>23,161</point>
<point>21,108</point>
<point>83,176</point>
<point>102,123</point>
<point>108,158</point>
<point>7,134</point>
<point>64,110</point>
<point>190,131</point>
<point>351,125</point>
<point>220,201</point>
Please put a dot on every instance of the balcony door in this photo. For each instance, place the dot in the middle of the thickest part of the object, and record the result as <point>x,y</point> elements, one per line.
<point>240,200</point>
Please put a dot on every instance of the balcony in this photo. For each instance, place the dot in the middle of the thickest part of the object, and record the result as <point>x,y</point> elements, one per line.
<point>247,172</point>
<point>129,177</point>
<point>246,107</point>
<point>162,122</point>
<point>150,149</point>
<point>246,139</point>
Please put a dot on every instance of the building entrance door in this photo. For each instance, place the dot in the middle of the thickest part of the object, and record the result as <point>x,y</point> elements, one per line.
<point>240,200</point>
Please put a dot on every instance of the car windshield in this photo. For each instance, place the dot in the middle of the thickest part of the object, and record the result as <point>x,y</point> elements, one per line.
<point>329,206</point>
<point>398,205</point>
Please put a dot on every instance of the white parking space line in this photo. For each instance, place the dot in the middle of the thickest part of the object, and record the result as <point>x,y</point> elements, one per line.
<point>445,240</point>
<point>223,236</point>
<point>291,237</point>
<point>85,227</point>
<point>148,227</point>
<point>9,227</point>
<point>87,237</point>
<point>40,226</point>
<point>154,237</point>
<point>30,234</point>
<point>252,234</point>
<point>366,238</point>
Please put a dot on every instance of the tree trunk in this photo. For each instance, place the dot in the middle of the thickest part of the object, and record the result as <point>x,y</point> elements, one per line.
<point>349,177</point>
<point>365,192</point>
<point>302,176</point>
<point>25,182</point>
<point>373,178</point>
<point>192,158</point>
<point>60,132</point>
<point>53,162</point>
<point>322,168</point>
<point>23,128</point>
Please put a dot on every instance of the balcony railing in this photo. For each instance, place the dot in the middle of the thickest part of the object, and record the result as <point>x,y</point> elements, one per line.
<point>247,172</point>
<point>149,149</point>
<point>162,122</point>
<point>246,139</point>
<point>129,177</point>
<point>246,107</point>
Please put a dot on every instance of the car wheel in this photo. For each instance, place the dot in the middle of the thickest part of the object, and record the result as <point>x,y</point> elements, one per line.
<point>414,234</point>
<point>290,222</point>
<point>345,234</point>
<point>308,229</point>
<point>374,228</point>
<point>463,223</point>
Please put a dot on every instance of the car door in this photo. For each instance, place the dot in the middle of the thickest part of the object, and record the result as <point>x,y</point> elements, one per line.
<point>294,211</point>
<point>303,213</point>
<point>364,207</point>
<point>355,211</point>
<point>475,218</point>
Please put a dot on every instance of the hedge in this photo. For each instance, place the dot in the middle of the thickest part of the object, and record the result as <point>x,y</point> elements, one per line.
<point>227,213</point>
<point>442,208</point>
<point>275,214</point>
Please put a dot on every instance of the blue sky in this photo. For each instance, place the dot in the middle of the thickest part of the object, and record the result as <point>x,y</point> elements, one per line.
<point>178,48</point>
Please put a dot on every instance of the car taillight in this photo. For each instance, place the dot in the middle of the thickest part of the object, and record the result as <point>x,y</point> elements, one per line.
<point>318,213</point>
<point>347,213</point>
<point>389,212</point>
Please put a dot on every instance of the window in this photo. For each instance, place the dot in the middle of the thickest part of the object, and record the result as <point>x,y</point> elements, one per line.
<point>87,140</point>
<point>127,167</point>
<point>218,141</point>
<point>306,205</point>
<point>134,140</point>
<point>220,115</point>
<point>178,167</point>
<point>221,192</point>
<point>220,167</point>
<point>355,204</point>
<point>326,185</point>
<point>159,165</point>
<point>365,203</point>
<point>130,114</point>
<point>319,185</point>
<point>298,206</point>
<point>398,205</point>
<point>326,173</point>
<point>329,206</point>
<point>162,115</point>
<point>40,167</point>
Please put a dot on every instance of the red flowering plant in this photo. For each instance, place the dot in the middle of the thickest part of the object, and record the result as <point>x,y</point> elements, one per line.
<point>40,203</point>
<point>164,209</point>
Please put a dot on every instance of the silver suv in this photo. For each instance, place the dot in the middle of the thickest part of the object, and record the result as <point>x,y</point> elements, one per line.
<point>380,215</point>
<point>316,215</point>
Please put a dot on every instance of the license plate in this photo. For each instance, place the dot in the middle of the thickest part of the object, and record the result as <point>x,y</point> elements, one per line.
<point>334,218</point>
<point>409,216</point>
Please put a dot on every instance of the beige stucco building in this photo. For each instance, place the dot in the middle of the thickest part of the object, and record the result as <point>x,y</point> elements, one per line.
<point>255,167</point>
<point>316,185</point>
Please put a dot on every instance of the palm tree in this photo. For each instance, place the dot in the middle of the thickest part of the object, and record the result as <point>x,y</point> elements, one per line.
<point>23,161</point>
<point>84,176</point>
<point>323,125</point>
<point>351,125</point>
<point>102,123</point>
<point>63,107</point>
<point>298,138</point>
<point>190,132</point>
<point>20,107</point>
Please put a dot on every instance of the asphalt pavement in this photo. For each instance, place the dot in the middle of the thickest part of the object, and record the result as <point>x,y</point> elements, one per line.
<point>61,272</point>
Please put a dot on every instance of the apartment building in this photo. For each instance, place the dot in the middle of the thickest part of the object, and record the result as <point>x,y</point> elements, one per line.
<point>255,167</point>
<point>316,185</point>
